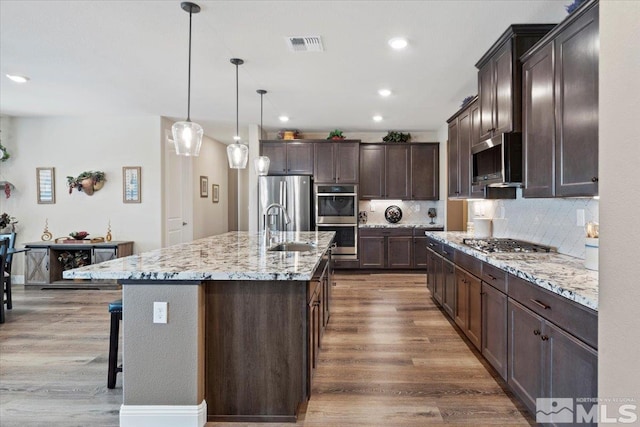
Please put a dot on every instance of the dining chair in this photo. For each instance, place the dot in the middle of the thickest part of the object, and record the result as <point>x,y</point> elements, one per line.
<point>6,275</point>
<point>4,247</point>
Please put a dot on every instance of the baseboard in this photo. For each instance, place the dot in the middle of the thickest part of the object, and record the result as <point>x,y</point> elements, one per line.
<point>163,415</point>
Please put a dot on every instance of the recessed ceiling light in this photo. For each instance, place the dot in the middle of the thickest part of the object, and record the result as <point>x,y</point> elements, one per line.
<point>384,92</point>
<point>377,118</point>
<point>283,118</point>
<point>398,43</point>
<point>18,79</point>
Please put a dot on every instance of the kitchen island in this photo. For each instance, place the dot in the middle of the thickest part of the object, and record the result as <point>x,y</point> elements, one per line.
<point>235,345</point>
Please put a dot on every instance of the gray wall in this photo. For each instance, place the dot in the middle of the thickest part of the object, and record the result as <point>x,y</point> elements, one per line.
<point>163,363</point>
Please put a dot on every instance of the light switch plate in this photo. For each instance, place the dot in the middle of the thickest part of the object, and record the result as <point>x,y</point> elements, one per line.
<point>160,312</point>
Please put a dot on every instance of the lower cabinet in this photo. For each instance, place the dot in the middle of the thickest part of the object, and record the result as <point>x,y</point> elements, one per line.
<point>386,248</point>
<point>371,251</point>
<point>494,328</point>
<point>448,286</point>
<point>314,326</point>
<point>468,306</point>
<point>434,275</point>
<point>544,361</point>
<point>37,266</point>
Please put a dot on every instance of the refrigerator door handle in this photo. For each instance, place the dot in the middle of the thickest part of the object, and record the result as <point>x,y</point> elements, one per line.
<point>285,198</point>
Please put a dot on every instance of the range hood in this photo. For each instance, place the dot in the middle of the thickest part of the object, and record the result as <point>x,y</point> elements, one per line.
<point>497,162</point>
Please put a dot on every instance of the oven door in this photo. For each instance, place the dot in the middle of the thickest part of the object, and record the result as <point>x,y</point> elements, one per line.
<point>336,208</point>
<point>346,239</point>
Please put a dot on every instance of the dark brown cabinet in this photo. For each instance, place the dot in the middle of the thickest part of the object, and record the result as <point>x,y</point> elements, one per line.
<point>288,158</point>
<point>386,248</point>
<point>499,84</point>
<point>448,286</point>
<point>459,152</point>
<point>419,250</point>
<point>425,170</point>
<point>560,104</point>
<point>314,327</point>
<point>468,306</point>
<point>336,162</point>
<point>389,171</point>
<point>434,276</point>
<point>545,361</point>
<point>494,328</point>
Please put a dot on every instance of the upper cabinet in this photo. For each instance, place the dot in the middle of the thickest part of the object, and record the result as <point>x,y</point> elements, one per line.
<point>399,171</point>
<point>499,82</point>
<point>560,104</point>
<point>336,162</point>
<point>288,157</point>
<point>462,127</point>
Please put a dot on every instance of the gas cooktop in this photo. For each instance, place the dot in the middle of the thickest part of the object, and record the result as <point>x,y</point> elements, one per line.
<point>505,245</point>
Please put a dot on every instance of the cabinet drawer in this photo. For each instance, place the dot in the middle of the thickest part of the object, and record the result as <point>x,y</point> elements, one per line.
<point>494,277</point>
<point>472,264</point>
<point>434,245</point>
<point>448,252</point>
<point>574,318</point>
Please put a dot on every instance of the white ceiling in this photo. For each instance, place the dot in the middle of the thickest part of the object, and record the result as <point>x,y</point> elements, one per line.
<point>130,58</point>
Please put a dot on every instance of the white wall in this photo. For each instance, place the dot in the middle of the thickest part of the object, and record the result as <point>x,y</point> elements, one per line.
<point>619,335</point>
<point>71,146</point>
<point>210,218</point>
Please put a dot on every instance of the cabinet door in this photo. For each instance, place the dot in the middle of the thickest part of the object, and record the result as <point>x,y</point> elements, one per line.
<point>398,170</point>
<point>525,357</point>
<point>435,276</point>
<point>464,153</point>
<point>539,124</point>
<point>372,171</point>
<point>103,254</point>
<point>474,322</point>
<point>448,286</point>
<point>371,252</point>
<point>324,170</point>
<point>461,308</point>
<point>475,123</point>
<point>452,160</point>
<point>425,173</point>
<point>420,252</point>
<point>503,90</point>
<point>485,99</point>
<point>431,272</point>
<point>37,267</point>
<point>277,153</point>
<point>326,298</point>
<point>347,162</point>
<point>577,50</point>
<point>572,369</point>
<point>313,338</point>
<point>494,328</point>
<point>399,252</point>
<point>299,158</point>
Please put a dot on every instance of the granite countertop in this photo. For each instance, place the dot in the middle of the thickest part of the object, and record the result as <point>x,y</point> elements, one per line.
<point>400,225</point>
<point>558,273</point>
<point>229,256</point>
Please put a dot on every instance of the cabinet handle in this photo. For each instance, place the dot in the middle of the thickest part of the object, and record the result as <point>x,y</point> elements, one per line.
<point>432,245</point>
<point>594,179</point>
<point>445,252</point>
<point>536,332</point>
<point>540,304</point>
<point>544,338</point>
<point>482,293</point>
<point>491,277</point>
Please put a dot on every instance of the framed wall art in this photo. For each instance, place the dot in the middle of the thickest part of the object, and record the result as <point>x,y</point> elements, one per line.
<point>215,193</point>
<point>131,184</point>
<point>204,186</point>
<point>46,179</point>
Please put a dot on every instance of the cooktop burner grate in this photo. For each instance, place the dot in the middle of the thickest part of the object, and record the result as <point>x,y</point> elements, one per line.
<point>505,245</point>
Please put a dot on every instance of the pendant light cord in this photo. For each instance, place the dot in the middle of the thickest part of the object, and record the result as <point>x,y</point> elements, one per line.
<point>189,78</point>
<point>261,95</point>
<point>237,104</point>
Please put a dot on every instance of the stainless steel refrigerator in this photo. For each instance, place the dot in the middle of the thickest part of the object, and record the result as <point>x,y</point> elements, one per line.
<point>294,192</point>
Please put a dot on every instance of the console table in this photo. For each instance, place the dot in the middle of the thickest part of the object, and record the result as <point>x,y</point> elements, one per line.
<point>43,269</point>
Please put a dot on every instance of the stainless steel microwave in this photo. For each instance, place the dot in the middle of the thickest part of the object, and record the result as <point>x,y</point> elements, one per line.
<point>497,162</point>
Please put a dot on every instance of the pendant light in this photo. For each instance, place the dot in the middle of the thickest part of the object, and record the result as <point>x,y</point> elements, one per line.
<point>187,136</point>
<point>237,153</point>
<point>261,163</point>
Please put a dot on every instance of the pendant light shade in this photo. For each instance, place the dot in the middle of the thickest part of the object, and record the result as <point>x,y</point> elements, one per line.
<point>261,163</point>
<point>237,153</point>
<point>187,136</point>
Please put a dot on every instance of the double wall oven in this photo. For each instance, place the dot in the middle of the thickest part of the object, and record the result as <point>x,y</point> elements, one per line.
<point>337,210</point>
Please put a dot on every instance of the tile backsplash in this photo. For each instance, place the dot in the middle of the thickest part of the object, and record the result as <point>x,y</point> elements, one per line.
<point>413,212</point>
<point>551,222</point>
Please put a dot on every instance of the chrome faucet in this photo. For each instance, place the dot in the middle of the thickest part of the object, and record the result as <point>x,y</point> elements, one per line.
<point>267,228</point>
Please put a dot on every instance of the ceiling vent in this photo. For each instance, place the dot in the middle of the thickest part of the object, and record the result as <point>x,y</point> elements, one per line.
<point>305,44</point>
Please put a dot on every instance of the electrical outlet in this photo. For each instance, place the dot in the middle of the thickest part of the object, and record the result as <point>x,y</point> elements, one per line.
<point>160,312</point>
<point>580,217</point>
<point>372,206</point>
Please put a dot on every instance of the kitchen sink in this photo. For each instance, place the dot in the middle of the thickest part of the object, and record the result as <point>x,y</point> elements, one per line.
<point>292,247</point>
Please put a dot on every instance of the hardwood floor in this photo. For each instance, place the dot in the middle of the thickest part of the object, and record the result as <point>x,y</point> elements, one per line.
<point>389,358</point>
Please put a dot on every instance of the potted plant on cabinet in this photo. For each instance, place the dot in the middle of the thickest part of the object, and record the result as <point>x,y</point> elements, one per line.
<point>393,136</point>
<point>7,220</point>
<point>336,135</point>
